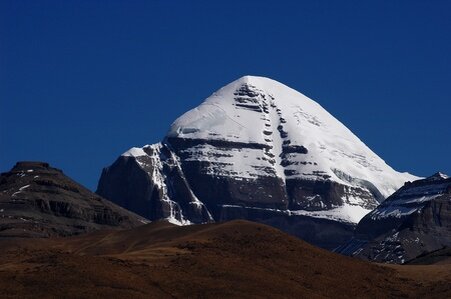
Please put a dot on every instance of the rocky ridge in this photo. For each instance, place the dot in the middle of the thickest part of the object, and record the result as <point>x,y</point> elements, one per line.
<point>37,200</point>
<point>412,222</point>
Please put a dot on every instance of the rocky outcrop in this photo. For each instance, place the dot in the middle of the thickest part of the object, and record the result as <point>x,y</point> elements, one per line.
<point>412,222</point>
<point>151,182</point>
<point>256,149</point>
<point>37,200</point>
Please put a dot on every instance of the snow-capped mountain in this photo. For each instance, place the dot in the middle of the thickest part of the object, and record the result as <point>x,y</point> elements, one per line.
<point>415,220</point>
<point>260,150</point>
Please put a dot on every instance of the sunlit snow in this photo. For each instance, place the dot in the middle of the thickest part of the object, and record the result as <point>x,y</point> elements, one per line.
<point>277,116</point>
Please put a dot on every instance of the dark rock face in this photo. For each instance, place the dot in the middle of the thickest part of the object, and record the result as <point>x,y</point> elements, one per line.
<point>266,191</point>
<point>161,184</point>
<point>441,256</point>
<point>155,187</point>
<point>413,221</point>
<point>37,200</point>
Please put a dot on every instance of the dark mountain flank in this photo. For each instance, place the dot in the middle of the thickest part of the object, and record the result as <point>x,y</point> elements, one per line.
<point>37,200</point>
<point>413,222</point>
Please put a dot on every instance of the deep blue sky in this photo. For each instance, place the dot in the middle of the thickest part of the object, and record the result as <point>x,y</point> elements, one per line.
<point>83,81</point>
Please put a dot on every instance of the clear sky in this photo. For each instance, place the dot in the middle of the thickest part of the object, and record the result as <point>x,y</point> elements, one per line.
<point>83,81</point>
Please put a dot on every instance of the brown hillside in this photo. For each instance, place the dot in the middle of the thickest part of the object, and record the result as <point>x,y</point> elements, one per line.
<point>237,259</point>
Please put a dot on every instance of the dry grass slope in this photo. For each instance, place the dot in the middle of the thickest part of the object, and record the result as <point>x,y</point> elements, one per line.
<point>236,259</point>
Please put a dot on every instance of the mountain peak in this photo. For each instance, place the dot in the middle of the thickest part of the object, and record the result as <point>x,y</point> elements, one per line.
<point>268,114</point>
<point>257,81</point>
<point>255,143</point>
<point>30,165</point>
<point>437,177</point>
<point>262,85</point>
<point>251,79</point>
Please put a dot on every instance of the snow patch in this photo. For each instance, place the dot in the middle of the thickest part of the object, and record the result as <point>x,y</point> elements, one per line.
<point>346,213</point>
<point>24,187</point>
<point>20,190</point>
<point>410,199</point>
<point>134,152</point>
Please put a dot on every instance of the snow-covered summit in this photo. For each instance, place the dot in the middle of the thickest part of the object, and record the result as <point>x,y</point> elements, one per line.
<point>251,109</point>
<point>228,114</point>
<point>259,150</point>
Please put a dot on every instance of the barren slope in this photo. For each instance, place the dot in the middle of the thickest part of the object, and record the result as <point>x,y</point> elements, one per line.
<point>237,259</point>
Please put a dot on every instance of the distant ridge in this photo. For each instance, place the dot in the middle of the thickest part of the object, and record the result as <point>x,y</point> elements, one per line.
<point>37,200</point>
<point>414,221</point>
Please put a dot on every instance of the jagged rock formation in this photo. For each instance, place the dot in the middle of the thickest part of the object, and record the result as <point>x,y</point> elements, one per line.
<point>37,200</point>
<point>414,221</point>
<point>259,150</point>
